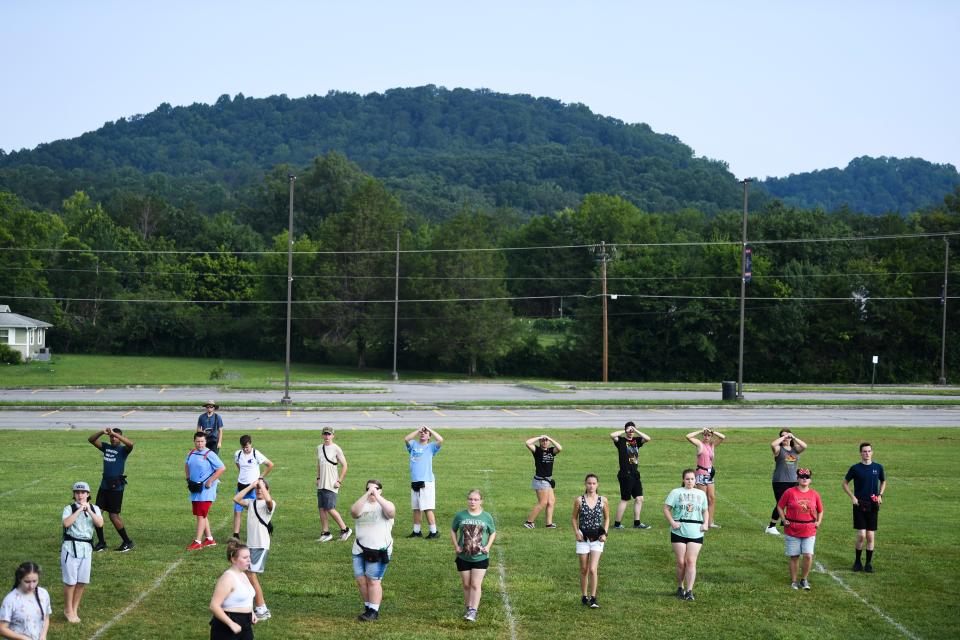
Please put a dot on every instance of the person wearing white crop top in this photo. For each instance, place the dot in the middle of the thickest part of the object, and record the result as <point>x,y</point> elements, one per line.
<point>232,601</point>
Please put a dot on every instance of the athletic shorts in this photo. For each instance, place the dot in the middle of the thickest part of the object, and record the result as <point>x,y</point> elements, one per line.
<point>466,565</point>
<point>865,520</point>
<point>372,570</point>
<point>74,569</point>
<point>630,487</point>
<point>674,539</point>
<point>326,499</point>
<point>252,495</point>
<point>586,546</point>
<point>201,507</point>
<point>109,501</point>
<point>220,631</point>
<point>796,546</point>
<point>704,477</point>
<point>425,499</point>
<point>258,560</point>
<point>540,485</point>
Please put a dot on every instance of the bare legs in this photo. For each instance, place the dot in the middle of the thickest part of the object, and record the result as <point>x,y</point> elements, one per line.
<point>545,501</point>
<point>686,563</point>
<point>589,564</point>
<point>472,584</point>
<point>711,499</point>
<point>203,528</point>
<point>795,566</point>
<point>325,514</point>
<point>637,507</point>
<point>71,600</point>
<point>370,590</point>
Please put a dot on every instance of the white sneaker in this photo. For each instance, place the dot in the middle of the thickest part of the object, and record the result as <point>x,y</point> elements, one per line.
<point>772,531</point>
<point>345,534</point>
<point>262,613</point>
<point>714,525</point>
<point>325,537</point>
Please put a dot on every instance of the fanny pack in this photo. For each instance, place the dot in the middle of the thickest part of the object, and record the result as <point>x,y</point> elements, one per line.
<point>116,482</point>
<point>374,555</point>
<point>593,535</point>
<point>550,480</point>
<point>416,486</point>
<point>197,487</point>
<point>712,470</point>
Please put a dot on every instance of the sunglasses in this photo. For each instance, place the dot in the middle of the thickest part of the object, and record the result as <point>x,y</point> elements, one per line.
<point>801,476</point>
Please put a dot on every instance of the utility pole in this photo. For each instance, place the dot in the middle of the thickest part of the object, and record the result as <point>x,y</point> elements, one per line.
<point>943,335</point>
<point>396,308</point>
<point>743,284</point>
<point>286,374</point>
<point>604,257</point>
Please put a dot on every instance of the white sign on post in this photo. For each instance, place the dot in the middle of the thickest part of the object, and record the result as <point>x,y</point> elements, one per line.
<point>876,359</point>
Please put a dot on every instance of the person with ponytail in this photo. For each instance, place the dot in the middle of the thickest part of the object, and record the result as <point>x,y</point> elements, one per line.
<point>25,612</point>
<point>232,601</point>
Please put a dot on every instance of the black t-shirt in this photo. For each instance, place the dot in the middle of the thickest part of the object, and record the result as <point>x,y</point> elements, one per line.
<point>627,451</point>
<point>543,460</point>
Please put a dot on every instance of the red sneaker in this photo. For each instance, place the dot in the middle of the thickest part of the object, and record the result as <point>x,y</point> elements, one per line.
<point>194,546</point>
<point>209,542</point>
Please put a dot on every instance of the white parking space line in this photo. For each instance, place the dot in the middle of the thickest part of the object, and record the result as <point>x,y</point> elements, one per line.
<point>128,413</point>
<point>50,413</point>
<point>507,411</point>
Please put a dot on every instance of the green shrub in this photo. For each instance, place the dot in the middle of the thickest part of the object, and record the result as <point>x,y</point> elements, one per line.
<point>10,356</point>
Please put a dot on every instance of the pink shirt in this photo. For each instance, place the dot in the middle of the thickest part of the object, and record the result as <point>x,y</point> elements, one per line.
<point>705,457</point>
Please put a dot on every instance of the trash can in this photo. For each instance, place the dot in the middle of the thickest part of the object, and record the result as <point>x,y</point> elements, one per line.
<point>728,390</point>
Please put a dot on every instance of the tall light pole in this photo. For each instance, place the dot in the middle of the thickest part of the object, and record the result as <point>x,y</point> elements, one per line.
<point>743,284</point>
<point>286,377</point>
<point>943,335</point>
<point>396,308</point>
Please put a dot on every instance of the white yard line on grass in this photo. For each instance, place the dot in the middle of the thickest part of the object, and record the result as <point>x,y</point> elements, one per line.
<point>29,484</point>
<point>501,569</point>
<point>822,569</point>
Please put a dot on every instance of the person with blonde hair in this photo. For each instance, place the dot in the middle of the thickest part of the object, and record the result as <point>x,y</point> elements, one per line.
<point>472,532</point>
<point>232,600</point>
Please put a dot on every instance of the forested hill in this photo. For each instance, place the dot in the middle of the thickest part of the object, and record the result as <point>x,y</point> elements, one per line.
<point>437,149</point>
<point>869,185</point>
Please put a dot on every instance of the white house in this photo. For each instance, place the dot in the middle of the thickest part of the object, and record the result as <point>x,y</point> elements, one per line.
<point>26,335</point>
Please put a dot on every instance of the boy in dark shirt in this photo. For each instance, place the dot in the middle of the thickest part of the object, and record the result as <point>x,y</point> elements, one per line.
<point>110,494</point>
<point>869,483</point>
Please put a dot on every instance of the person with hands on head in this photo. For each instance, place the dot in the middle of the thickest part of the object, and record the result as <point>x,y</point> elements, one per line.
<point>80,518</point>
<point>472,532</point>
<point>248,461</point>
<point>786,458</point>
<point>423,490</point>
<point>260,511</point>
<point>544,449</point>
<point>628,442</point>
<point>25,611</point>
<point>591,518</point>
<point>202,469</point>
<point>869,485</point>
<point>232,601</point>
<point>110,493</point>
<point>802,512</point>
<point>687,513</point>
<point>372,547</point>
<point>709,439</point>
<point>329,480</point>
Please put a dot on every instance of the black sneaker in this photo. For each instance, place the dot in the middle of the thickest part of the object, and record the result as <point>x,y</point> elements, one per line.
<point>680,593</point>
<point>415,534</point>
<point>100,546</point>
<point>868,568</point>
<point>641,525</point>
<point>618,526</point>
<point>552,525</point>
<point>593,602</point>
<point>369,615</point>
<point>859,567</point>
<point>433,535</point>
<point>688,596</point>
<point>126,546</point>
<point>584,600</point>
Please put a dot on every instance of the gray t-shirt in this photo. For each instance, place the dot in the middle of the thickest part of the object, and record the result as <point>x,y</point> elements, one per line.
<point>787,463</point>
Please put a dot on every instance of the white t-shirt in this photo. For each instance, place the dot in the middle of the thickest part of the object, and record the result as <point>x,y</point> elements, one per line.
<point>257,535</point>
<point>249,465</point>
<point>20,611</point>
<point>373,530</point>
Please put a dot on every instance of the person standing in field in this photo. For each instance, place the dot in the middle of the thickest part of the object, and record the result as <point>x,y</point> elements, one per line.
<point>786,459</point>
<point>802,512</point>
<point>260,511</point>
<point>211,425</point>
<point>232,600</point>
<point>202,469</point>
<point>688,514</point>
<point>544,449</point>
<point>472,532</point>
<point>591,517</point>
<point>80,518</point>
<point>628,442</point>
<point>706,470</point>
<point>372,546</point>
<point>869,484</point>
<point>110,493</point>
<point>423,490</point>
<point>329,480</point>
<point>25,611</point>
<point>248,461</point>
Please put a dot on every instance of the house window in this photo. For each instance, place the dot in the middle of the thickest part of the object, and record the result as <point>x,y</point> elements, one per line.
<point>30,334</point>
<point>4,336</point>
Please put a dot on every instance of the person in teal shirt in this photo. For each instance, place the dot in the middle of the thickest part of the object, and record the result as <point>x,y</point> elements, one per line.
<point>472,533</point>
<point>686,511</point>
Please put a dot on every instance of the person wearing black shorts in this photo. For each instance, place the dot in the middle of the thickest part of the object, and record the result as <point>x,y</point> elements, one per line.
<point>110,494</point>
<point>869,484</point>
<point>628,442</point>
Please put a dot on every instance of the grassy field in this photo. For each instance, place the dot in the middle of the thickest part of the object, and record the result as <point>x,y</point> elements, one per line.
<point>742,590</point>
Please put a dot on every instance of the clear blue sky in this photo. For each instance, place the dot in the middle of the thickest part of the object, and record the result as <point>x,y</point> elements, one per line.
<point>771,87</point>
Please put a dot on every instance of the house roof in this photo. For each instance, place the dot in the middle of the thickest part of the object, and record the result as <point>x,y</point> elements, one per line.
<point>10,319</point>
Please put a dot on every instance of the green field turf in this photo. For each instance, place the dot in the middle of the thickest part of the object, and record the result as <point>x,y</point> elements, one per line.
<point>742,589</point>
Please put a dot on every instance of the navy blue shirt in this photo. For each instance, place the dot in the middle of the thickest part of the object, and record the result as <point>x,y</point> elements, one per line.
<point>866,479</point>
<point>114,461</point>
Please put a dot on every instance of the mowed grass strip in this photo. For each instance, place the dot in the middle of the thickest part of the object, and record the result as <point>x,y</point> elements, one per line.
<point>742,589</point>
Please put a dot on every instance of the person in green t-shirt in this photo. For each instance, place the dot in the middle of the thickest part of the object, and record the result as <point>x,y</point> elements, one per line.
<point>472,532</point>
<point>687,512</point>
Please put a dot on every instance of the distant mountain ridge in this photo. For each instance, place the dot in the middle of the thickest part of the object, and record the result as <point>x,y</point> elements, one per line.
<point>437,149</point>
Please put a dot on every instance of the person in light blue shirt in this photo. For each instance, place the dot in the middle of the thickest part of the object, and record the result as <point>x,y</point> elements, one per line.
<point>202,469</point>
<point>423,495</point>
<point>80,518</point>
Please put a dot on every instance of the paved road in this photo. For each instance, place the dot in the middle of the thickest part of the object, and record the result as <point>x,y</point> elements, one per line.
<point>415,393</point>
<point>537,420</point>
